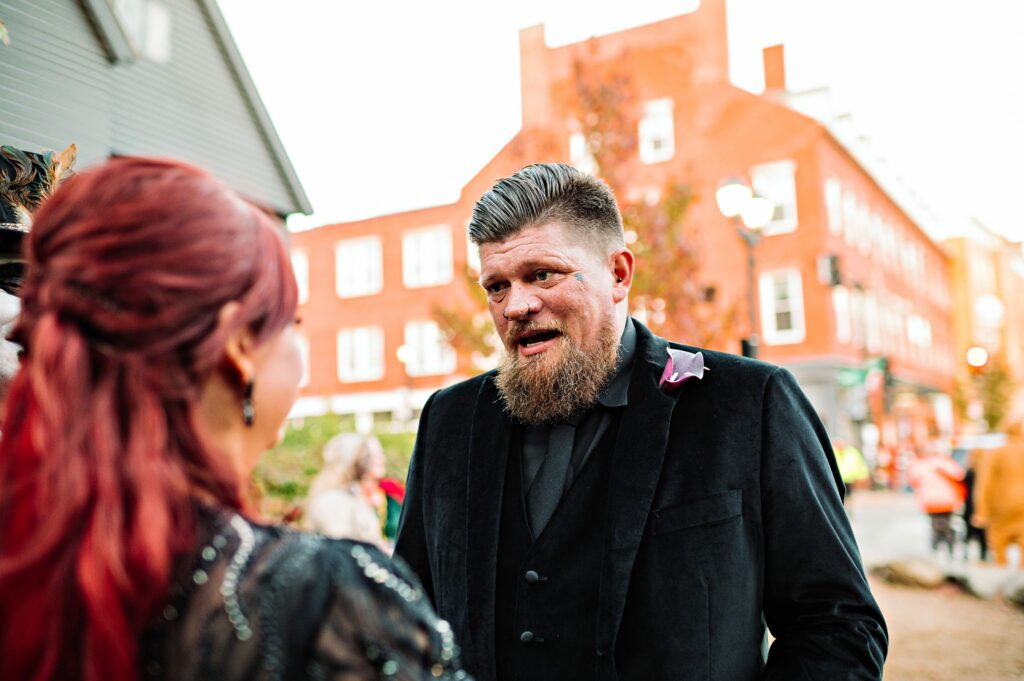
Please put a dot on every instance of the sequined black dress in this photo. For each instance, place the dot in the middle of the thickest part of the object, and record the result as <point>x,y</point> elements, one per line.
<point>267,604</point>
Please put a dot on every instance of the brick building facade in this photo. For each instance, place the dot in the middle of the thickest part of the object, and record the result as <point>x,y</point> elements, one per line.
<point>845,276</point>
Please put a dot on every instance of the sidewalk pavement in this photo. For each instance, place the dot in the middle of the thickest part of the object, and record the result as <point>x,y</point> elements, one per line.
<point>894,539</point>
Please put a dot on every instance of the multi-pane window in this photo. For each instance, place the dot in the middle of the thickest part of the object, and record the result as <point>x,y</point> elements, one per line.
<point>427,257</point>
<point>147,26</point>
<point>300,265</point>
<point>657,131</point>
<point>841,309</point>
<point>303,343</point>
<point>834,205</point>
<point>850,212</point>
<point>579,153</point>
<point>919,331</point>
<point>782,307</point>
<point>777,182</point>
<point>472,253</point>
<point>358,267</point>
<point>429,353</point>
<point>360,354</point>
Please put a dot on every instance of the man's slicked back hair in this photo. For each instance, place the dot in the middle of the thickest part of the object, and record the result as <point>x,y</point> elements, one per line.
<point>548,192</point>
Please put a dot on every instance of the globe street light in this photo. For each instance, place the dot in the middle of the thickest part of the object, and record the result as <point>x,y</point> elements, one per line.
<point>749,213</point>
<point>977,357</point>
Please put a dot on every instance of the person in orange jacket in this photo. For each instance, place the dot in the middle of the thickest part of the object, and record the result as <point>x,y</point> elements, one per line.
<point>999,495</point>
<point>937,482</point>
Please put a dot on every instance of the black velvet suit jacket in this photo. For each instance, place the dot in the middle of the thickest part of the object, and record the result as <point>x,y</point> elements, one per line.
<point>724,515</point>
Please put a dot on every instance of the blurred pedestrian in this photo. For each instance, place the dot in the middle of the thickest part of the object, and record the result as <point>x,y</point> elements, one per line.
<point>852,467</point>
<point>394,492</point>
<point>26,180</point>
<point>160,359</point>
<point>937,481</point>
<point>973,532</point>
<point>999,495</point>
<point>345,499</point>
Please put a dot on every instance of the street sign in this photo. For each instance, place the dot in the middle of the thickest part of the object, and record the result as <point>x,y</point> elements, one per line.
<point>848,378</point>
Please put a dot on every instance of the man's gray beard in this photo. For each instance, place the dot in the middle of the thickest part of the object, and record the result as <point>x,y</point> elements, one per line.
<point>534,393</point>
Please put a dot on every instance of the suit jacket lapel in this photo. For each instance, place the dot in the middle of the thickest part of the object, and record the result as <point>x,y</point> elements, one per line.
<point>636,468</point>
<point>488,455</point>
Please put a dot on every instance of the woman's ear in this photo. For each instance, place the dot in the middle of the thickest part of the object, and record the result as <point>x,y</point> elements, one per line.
<point>238,360</point>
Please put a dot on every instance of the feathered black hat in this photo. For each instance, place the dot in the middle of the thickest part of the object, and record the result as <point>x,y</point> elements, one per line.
<point>26,179</point>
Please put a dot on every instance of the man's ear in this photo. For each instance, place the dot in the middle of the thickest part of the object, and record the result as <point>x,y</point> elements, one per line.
<point>623,264</point>
<point>238,360</point>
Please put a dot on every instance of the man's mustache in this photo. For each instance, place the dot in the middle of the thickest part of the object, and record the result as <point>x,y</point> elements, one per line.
<point>516,330</point>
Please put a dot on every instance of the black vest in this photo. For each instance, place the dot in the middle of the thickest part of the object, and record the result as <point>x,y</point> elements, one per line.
<point>547,590</point>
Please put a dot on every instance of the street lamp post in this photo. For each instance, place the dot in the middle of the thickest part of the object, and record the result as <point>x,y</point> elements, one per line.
<point>749,213</point>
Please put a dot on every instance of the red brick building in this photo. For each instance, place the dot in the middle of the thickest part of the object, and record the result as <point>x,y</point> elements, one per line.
<point>845,275</point>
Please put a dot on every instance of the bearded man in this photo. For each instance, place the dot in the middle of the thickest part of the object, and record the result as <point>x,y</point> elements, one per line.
<point>604,505</point>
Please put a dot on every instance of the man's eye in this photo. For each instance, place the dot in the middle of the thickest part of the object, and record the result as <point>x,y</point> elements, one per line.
<point>543,275</point>
<point>495,288</point>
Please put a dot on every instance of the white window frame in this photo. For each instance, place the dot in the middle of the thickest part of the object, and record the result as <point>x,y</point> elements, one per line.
<point>841,310</point>
<point>769,308</point>
<point>776,181</point>
<point>656,131</point>
<point>430,354</point>
<point>303,343</point>
<point>472,253</point>
<point>300,266</point>
<point>358,267</point>
<point>360,353</point>
<point>427,256</point>
<point>580,155</point>
<point>834,205</point>
<point>147,27</point>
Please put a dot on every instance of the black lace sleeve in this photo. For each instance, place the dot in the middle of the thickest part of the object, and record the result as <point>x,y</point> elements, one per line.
<point>377,623</point>
<point>262,603</point>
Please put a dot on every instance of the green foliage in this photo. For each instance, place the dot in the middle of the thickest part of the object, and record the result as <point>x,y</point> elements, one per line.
<point>284,473</point>
<point>995,390</point>
<point>397,452</point>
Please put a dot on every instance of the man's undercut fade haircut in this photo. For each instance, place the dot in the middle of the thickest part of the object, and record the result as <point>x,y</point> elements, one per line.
<point>543,193</point>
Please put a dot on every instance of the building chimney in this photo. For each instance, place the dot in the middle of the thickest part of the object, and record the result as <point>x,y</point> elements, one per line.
<point>535,77</point>
<point>774,69</point>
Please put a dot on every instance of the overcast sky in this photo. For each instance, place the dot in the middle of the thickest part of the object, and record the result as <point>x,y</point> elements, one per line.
<point>393,105</point>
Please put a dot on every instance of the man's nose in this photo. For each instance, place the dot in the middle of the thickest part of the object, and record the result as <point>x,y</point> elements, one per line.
<point>521,304</point>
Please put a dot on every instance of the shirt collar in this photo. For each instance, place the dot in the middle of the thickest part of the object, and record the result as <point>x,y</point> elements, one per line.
<point>616,393</point>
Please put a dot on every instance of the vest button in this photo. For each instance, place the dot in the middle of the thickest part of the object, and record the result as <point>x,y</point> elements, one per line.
<point>526,638</point>
<point>531,577</point>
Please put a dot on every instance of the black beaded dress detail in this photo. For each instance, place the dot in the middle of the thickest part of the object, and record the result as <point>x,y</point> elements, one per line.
<point>266,603</point>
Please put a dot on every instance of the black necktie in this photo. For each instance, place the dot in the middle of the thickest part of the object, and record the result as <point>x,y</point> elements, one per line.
<point>549,483</point>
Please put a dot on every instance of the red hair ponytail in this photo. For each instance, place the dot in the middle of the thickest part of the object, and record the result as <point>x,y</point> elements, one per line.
<point>128,267</point>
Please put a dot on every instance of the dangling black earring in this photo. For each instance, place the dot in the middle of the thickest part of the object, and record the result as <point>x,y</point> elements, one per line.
<point>248,411</point>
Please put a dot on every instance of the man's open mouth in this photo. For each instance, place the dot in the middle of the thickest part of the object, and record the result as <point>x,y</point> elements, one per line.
<point>528,339</point>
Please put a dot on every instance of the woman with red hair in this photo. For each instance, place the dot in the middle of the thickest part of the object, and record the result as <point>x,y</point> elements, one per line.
<point>159,361</point>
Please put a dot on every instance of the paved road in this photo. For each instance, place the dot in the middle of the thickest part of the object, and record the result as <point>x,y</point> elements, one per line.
<point>934,635</point>
<point>889,525</point>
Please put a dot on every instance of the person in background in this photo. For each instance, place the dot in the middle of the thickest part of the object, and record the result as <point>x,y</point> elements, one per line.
<point>852,467</point>
<point>160,359</point>
<point>974,532</point>
<point>937,481</point>
<point>345,499</point>
<point>394,493</point>
<point>999,495</point>
<point>26,180</point>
